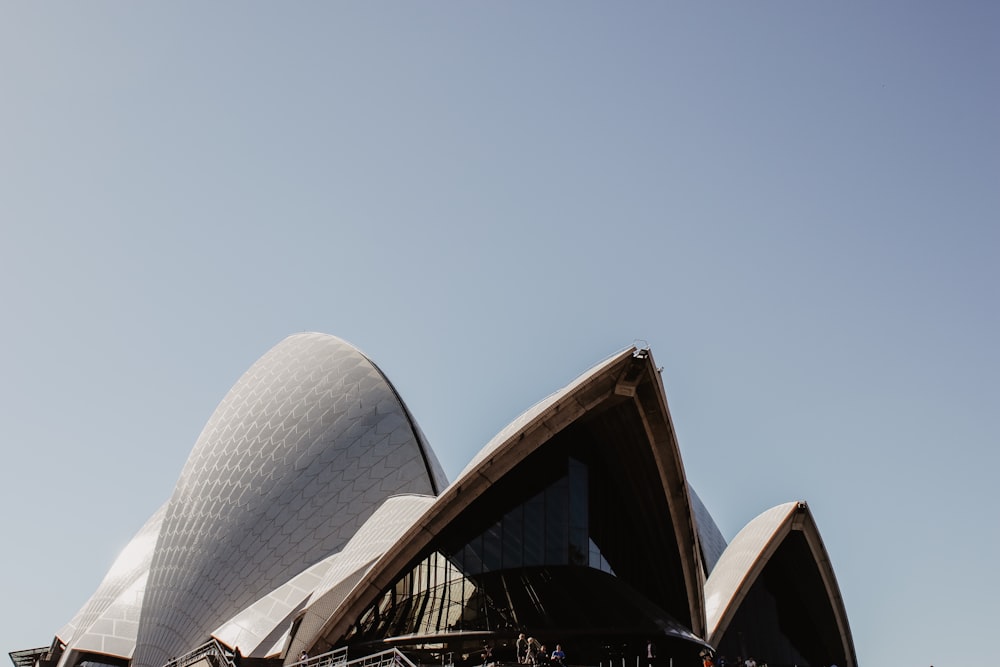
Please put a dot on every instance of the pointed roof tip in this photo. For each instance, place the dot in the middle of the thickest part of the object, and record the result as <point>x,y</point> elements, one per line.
<point>521,423</point>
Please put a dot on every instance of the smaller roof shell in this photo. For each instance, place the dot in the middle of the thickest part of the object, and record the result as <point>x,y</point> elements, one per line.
<point>745,558</point>
<point>109,621</point>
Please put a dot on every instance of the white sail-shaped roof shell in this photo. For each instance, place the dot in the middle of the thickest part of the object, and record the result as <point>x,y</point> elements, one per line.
<point>745,558</point>
<point>292,463</point>
<point>109,621</point>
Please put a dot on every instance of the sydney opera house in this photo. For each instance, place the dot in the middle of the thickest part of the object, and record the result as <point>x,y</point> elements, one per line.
<point>312,517</point>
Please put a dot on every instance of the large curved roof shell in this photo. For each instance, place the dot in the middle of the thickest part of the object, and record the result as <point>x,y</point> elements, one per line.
<point>627,376</point>
<point>747,557</point>
<point>297,456</point>
<point>109,621</point>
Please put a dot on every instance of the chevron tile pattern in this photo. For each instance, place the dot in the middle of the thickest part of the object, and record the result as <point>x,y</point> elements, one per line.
<point>296,457</point>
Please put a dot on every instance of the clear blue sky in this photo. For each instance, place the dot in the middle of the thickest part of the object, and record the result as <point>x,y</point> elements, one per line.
<point>796,204</point>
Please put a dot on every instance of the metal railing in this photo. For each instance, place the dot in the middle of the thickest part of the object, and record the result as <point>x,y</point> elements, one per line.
<point>212,649</point>
<point>207,651</point>
<point>334,658</point>
<point>392,657</point>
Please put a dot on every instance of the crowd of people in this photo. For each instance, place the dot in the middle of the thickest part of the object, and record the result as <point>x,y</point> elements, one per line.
<point>529,651</point>
<point>708,660</point>
<point>532,652</point>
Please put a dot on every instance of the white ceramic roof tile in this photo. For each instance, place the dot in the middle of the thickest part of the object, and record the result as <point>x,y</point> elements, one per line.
<point>131,565</point>
<point>739,558</point>
<point>251,628</point>
<point>294,460</point>
<point>537,410</point>
<point>114,631</point>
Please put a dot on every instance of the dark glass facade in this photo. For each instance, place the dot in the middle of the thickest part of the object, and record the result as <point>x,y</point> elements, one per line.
<point>561,548</point>
<point>787,615</point>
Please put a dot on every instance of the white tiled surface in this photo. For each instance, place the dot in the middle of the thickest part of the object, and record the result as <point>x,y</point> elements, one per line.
<point>108,622</point>
<point>296,457</point>
<point>733,568</point>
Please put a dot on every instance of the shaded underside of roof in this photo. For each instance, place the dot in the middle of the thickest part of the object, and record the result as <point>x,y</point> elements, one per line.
<point>28,656</point>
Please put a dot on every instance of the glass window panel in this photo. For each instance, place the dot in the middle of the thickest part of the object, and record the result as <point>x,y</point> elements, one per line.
<point>473,555</point>
<point>578,494</point>
<point>416,612</point>
<point>428,619</point>
<point>534,530</point>
<point>492,548</point>
<point>438,570</point>
<point>556,523</point>
<point>445,592</point>
<point>456,603</point>
<point>579,550</point>
<point>458,557</point>
<point>475,616</point>
<point>513,538</point>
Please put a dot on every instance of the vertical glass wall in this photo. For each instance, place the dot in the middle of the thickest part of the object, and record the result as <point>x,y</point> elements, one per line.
<point>550,528</point>
<point>575,544</point>
<point>484,583</point>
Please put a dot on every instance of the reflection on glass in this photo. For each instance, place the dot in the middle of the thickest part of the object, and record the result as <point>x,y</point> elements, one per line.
<point>448,589</point>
